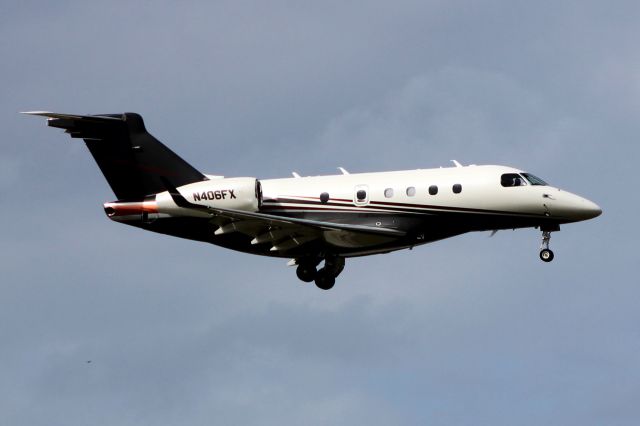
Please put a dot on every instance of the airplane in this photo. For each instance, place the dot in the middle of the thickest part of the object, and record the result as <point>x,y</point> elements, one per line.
<point>312,220</point>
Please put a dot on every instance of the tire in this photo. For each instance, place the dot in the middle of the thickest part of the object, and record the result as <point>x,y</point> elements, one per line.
<point>546,255</point>
<point>306,273</point>
<point>325,281</point>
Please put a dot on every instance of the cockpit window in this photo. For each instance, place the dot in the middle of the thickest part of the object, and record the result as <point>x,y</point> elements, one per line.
<point>512,179</point>
<point>534,180</point>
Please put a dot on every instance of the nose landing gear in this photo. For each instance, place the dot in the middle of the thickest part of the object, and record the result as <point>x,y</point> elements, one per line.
<point>545,253</point>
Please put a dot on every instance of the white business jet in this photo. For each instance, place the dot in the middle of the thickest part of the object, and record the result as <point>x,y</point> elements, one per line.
<point>312,219</point>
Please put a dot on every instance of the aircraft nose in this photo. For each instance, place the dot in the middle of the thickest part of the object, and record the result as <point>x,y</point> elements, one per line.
<point>591,209</point>
<point>583,209</point>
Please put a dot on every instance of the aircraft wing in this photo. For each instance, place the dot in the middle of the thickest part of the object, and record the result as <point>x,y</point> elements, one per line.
<point>281,233</point>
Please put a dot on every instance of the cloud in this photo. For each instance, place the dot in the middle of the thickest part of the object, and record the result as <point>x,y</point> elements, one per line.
<point>467,114</point>
<point>9,172</point>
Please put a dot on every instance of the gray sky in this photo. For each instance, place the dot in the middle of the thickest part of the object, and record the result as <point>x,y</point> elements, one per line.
<point>471,330</point>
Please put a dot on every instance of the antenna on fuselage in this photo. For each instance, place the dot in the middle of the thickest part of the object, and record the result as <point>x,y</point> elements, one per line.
<point>344,172</point>
<point>456,163</point>
<point>295,175</point>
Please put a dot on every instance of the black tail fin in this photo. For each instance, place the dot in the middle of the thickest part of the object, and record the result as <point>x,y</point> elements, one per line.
<point>132,160</point>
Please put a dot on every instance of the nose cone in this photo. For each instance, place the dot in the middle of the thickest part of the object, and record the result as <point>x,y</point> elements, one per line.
<point>576,208</point>
<point>589,209</point>
<point>585,210</point>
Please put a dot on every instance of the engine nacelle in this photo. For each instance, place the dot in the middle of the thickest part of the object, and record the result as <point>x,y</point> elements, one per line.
<point>225,193</point>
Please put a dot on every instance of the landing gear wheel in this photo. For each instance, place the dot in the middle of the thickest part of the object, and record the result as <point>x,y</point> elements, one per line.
<point>324,280</point>
<point>545,252</point>
<point>306,273</point>
<point>546,255</point>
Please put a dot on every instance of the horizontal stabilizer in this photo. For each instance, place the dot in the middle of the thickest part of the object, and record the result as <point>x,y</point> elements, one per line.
<point>72,116</point>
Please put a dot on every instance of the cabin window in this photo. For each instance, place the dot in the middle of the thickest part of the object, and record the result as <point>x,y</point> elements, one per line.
<point>361,195</point>
<point>457,188</point>
<point>433,190</point>
<point>324,197</point>
<point>512,179</point>
<point>388,193</point>
<point>411,191</point>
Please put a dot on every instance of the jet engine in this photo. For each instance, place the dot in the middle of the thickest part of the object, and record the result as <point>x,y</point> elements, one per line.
<point>225,193</point>
<point>231,193</point>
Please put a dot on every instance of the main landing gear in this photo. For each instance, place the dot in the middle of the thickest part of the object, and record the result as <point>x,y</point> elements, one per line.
<point>326,276</point>
<point>545,253</point>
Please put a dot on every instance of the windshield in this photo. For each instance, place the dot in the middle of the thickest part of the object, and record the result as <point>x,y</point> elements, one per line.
<point>534,180</point>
